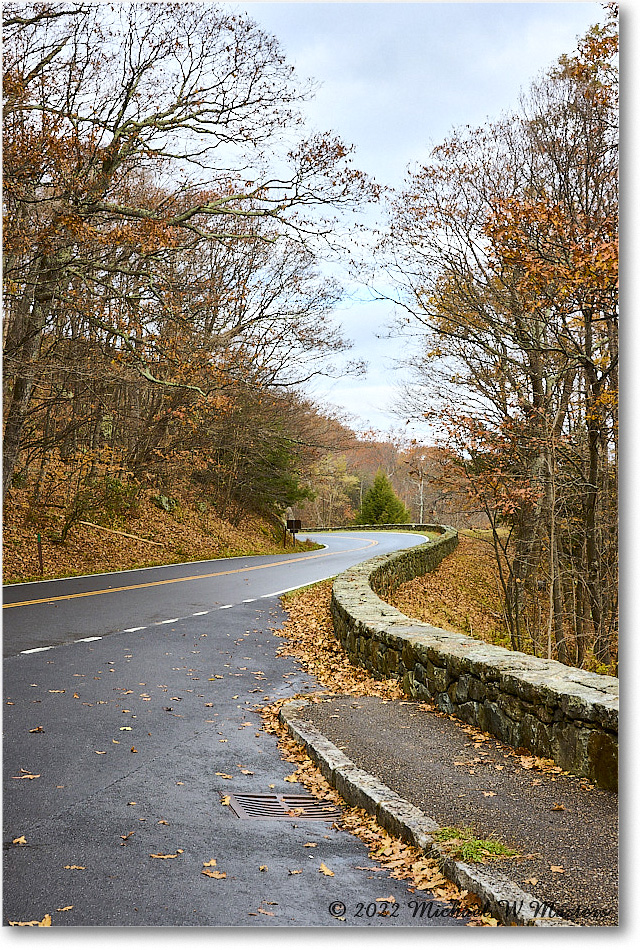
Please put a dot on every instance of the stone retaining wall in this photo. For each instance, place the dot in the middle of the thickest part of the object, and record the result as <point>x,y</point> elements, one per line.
<point>552,710</point>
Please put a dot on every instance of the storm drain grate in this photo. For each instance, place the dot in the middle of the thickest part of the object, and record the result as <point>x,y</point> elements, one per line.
<point>283,807</point>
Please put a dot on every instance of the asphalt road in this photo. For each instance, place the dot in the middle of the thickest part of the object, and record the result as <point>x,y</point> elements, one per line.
<point>129,714</point>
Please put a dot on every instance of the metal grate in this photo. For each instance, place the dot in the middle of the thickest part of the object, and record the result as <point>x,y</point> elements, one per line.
<point>283,807</point>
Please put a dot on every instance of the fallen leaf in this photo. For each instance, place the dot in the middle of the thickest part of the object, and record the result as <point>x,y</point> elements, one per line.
<point>489,794</point>
<point>556,869</point>
<point>557,807</point>
<point>68,907</point>
<point>20,840</point>
<point>225,800</point>
<point>532,880</point>
<point>224,775</point>
<point>26,775</point>
<point>99,753</point>
<point>75,867</point>
<point>326,870</point>
<point>133,749</point>
<point>45,922</point>
<point>390,899</point>
<point>263,867</point>
<point>291,778</point>
<point>268,913</point>
<point>125,728</point>
<point>297,872</point>
<point>220,875</point>
<point>56,690</point>
<point>161,821</point>
<point>210,864</point>
<point>163,856</point>
<point>310,844</point>
<point>37,729</point>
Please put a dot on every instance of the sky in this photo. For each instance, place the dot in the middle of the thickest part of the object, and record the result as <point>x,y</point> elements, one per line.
<point>395,79</point>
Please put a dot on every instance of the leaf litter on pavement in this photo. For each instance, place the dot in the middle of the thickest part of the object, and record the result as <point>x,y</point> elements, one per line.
<point>308,636</point>
<point>401,860</point>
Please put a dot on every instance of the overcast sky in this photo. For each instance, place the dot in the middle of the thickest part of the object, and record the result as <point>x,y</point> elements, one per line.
<point>395,79</point>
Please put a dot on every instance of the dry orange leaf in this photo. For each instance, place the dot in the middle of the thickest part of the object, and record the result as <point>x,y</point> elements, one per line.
<point>69,907</point>
<point>20,840</point>
<point>326,870</point>
<point>217,874</point>
<point>556,869</point>
<point>210,864</point>
<point>45,922</point>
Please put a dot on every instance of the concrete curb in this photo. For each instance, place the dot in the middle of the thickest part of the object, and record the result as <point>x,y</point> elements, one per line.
<point>499,896</point>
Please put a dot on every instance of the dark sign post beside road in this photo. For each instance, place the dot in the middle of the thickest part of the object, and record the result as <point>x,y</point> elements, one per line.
<point>292,525</point>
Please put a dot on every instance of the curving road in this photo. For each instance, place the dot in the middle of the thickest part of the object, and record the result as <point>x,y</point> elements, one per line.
<point>50,613</point>
<point>130,712</point>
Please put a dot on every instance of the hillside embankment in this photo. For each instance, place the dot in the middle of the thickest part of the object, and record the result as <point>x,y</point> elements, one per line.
<point>146,535</point>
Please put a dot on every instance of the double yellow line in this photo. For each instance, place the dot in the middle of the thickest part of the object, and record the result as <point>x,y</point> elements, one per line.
<point>179,580</point>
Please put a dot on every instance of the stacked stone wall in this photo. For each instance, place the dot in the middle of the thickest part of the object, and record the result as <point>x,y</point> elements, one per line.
<point>549,709</point>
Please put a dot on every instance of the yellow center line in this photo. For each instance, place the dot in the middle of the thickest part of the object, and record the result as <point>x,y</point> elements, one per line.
<point>180,580</point>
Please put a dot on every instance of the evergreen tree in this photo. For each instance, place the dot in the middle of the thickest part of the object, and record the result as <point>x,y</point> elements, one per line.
<point>381,505</point>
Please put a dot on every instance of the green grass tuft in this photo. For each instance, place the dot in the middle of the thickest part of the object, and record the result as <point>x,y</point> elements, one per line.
<point>463,844</point>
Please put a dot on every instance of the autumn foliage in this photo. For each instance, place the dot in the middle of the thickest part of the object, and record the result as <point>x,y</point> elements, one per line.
<point>504,247</point>
<point>164,212</point>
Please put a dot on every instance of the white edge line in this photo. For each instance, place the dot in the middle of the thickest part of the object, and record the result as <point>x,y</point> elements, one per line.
<point>36,650</point>
<point>88,639</point>
<point>200,613</point>
<point>161,622</point>
<point>226,606</point>
<point>133,629</point>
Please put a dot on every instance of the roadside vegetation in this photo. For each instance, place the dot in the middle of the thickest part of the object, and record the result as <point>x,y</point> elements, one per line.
<point>166,529</point>
<point>464,595</point>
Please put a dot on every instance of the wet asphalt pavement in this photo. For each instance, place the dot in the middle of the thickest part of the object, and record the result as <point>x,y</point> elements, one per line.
<point>121,748</point>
